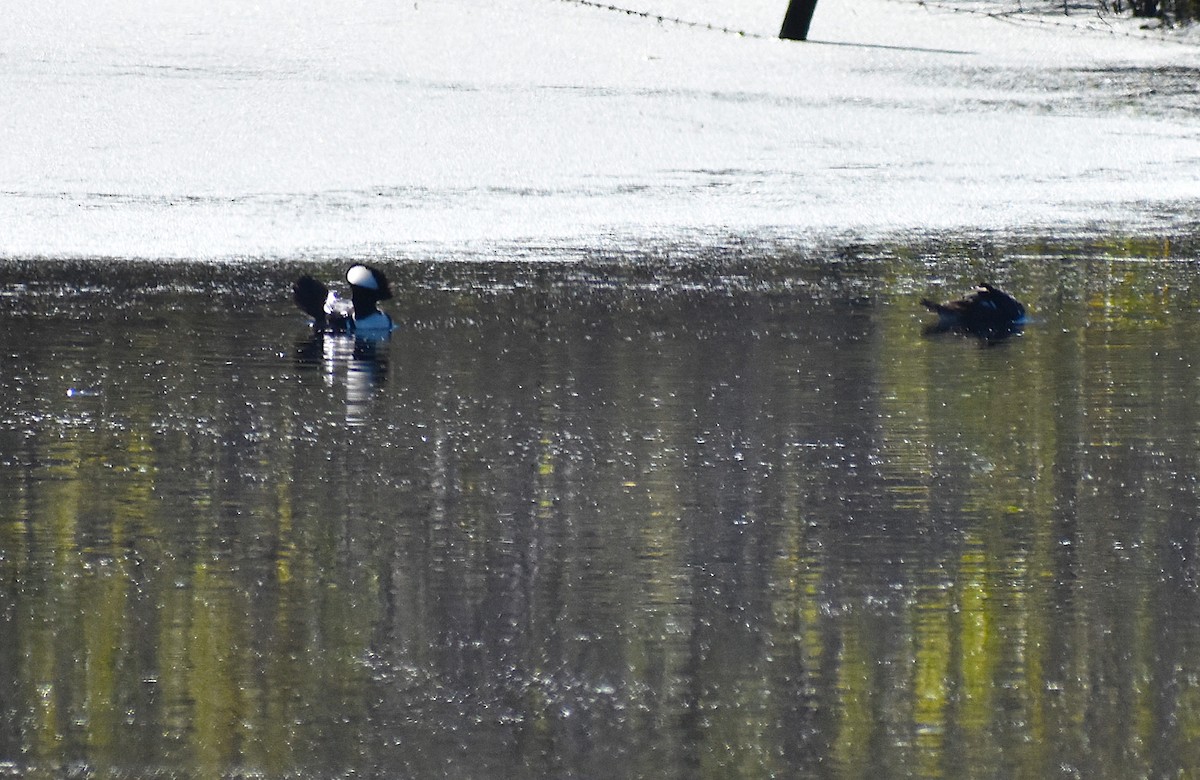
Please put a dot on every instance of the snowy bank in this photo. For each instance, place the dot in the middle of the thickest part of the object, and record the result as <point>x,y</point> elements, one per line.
<point>227,129</point>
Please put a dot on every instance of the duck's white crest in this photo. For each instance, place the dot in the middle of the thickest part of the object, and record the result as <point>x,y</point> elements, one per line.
<point>361,276</point>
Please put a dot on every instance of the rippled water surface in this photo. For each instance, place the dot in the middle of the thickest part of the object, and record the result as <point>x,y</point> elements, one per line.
<point>685,515</point>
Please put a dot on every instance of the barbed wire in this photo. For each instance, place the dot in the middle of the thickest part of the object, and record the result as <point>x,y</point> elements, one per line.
<point>673,20</point>
<point>1015,16</point>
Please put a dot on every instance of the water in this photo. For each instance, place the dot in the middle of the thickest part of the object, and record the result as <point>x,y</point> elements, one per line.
<point>689,514</point>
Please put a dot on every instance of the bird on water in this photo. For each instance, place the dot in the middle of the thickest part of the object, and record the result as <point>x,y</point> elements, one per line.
<point>987,312</point>
<point>359,315</point>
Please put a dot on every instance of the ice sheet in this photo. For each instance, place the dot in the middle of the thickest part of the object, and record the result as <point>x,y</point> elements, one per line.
<point>225,129</point>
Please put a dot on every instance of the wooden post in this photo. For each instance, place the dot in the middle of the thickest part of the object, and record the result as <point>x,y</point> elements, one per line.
<point>796,20</point>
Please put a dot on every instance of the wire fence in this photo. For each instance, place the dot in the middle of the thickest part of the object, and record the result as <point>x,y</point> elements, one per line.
<point>661,18</point>
<point>1126,18</point>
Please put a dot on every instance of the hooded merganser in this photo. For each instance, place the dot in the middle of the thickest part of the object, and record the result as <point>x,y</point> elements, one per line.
<point>988,312</point>
<point>332,314</point>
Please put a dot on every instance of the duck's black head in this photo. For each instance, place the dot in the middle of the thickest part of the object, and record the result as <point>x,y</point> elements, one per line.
<point>368,286</point>
<point>369,280</point>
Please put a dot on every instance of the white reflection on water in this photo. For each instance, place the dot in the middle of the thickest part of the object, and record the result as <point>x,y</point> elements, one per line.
<point>355,365</point>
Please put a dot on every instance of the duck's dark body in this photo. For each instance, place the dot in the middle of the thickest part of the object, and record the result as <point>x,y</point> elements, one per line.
<point>988,312</point>
<point>332,314</point>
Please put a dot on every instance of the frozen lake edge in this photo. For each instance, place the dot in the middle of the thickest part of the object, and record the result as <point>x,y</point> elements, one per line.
<point>548,127</point>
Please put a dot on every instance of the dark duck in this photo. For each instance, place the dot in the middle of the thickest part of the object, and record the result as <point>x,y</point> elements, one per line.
<point>987,312</point>
<point>359,315</point>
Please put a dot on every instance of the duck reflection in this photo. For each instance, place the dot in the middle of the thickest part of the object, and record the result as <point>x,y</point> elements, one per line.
<point>359,363</point>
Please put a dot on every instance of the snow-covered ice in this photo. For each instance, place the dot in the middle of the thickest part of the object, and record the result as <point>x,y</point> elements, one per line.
<point>227,128</point>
